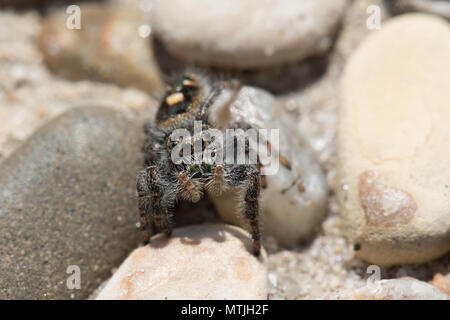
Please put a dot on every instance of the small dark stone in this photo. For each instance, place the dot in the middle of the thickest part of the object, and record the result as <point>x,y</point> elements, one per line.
<point>67,197</point>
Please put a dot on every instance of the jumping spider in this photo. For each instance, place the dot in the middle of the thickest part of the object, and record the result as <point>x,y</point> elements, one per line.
<point>161,183</point>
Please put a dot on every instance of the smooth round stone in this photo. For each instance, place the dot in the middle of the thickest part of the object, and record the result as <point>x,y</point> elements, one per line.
<point>246,34</point>
<point>294,201</point>
<point>393,142</point>
<point>393,289</point>
<point>113,45</point>
<point>208,261</point>
<point>67,198</point>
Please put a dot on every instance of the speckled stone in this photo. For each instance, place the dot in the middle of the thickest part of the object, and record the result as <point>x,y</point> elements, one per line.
<point>209,261</point>
<point>393,142</point>
<point>67,197</point>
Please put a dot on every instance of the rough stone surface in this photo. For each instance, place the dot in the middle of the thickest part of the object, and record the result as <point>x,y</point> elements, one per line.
<point>395,289</point>
<point>67,197</point>
<point>294,201</point>
<point>246,34</point>
<point>113,45</point>
<point>394,119</point>
<point>207,261</point>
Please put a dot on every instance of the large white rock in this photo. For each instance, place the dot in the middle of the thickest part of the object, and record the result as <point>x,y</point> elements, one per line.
<point>197,262</point>
<point>246,34</point>
<point>393,142</point>
<point>295,199</point>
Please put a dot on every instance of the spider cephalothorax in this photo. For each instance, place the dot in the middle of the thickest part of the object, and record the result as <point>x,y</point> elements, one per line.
<point>163,181</point>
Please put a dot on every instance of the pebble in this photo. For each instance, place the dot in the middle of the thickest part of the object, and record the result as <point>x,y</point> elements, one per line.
<point>442,283</point>
<point>246,34</point>
<point>113,45</point>
<point>61,195</point>
<point>294,201</point>
<point>30,95</point>
<point>209,261</point>
<point>393,142</point>
<point>393,289</point>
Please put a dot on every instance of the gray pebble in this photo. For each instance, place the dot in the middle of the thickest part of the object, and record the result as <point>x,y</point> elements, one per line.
<point>67,198</point>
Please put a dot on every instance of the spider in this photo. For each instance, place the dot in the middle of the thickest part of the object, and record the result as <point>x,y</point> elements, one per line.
<point>161,182</point>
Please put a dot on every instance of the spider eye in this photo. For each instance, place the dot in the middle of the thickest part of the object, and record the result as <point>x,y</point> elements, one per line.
<point>174,98</point>
<point>179,99</point>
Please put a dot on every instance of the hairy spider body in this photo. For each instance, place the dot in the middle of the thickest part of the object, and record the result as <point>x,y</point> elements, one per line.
<point>162,182</point>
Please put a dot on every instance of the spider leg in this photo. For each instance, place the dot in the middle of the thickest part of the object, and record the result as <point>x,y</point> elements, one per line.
<point>248,177</point>
<point>191,190</point>
<point>283,160</point>
<point>263,178</point>
<point>217,184</point>
<point>214,94</point>
<point>144,202</point>
<point>155,202</point>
